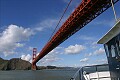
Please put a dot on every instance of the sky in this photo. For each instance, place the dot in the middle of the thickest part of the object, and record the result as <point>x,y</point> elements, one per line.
<point>25,24</point>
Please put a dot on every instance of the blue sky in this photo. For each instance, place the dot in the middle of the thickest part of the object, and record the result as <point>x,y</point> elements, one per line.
<point>25,24</point>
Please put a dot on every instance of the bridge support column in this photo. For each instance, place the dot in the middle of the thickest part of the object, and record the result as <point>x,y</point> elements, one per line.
<point>34,67</point>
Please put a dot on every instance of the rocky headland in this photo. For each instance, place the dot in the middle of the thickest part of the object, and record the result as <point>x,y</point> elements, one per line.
<point>14,64</point>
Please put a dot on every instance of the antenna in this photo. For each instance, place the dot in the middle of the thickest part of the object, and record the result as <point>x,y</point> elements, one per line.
<point>114,10</point>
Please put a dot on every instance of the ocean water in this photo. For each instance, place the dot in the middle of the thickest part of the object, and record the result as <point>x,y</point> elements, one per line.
<point>37,75</point>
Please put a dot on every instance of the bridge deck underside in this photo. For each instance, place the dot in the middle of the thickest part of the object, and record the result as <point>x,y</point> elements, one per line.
<point>83,14</point>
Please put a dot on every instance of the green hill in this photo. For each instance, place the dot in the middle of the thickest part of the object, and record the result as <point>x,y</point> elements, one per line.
<point>14,64</point>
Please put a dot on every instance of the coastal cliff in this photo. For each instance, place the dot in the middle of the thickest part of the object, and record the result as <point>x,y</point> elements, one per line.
<point>14,64</point>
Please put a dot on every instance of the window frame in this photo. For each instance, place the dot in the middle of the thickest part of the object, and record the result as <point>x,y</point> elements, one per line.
<point>107,50</point>
<point>112,50</point>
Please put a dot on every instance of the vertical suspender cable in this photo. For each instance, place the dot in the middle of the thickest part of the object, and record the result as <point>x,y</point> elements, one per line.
<point>114,10</point>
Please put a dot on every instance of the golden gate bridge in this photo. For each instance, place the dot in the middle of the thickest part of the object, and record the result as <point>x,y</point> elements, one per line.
<point>81,16</point>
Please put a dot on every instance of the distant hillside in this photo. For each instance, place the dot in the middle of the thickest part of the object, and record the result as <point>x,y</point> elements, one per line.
<point>19,64</point>
<point>3,64</point>
<point>14,64</point>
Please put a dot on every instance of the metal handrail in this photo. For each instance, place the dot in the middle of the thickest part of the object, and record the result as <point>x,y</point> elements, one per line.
<point>100,78</point>
<point>75,75</point>
<point>82,73</point>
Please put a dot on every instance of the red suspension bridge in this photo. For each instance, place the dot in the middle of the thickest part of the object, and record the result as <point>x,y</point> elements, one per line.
<point>82,15</point>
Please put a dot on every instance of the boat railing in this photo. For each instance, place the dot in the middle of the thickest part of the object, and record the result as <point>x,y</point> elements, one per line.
<point>76,74</point>
<point>96,72</point>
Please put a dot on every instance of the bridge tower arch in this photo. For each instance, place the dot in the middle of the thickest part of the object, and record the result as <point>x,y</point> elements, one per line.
<point>33,58</point>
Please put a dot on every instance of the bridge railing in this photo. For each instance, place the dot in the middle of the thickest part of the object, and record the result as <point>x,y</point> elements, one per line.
<point>96,72</point>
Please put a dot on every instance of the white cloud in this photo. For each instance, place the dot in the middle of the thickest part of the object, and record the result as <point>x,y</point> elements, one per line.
<point>96,52</point>
<point>53,56</point>
<point>84,60</point>
<point>50,58</point>
<point>74,49</point>
<point>88,55</point>
<point>99,51</point>
<point>19,45</point>
<point>39,28</point>
<point>48,23</point>
<point>94,45</point>
<point>86,64</point>
<point>103,61</point>
<point>27,57</point>
<point>11,38</point>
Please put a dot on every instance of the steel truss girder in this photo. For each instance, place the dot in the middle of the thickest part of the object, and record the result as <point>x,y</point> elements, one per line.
<point>83,14</point>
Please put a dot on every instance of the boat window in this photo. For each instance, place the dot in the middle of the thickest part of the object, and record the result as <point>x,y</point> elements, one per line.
<point>112,50</point>
<point>106,49</point>
<point>119,44</point>
<point>119,48</point>
<point>102,68</point>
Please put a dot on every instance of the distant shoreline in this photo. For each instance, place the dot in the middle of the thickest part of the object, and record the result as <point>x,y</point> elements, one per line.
<point>19,64</point>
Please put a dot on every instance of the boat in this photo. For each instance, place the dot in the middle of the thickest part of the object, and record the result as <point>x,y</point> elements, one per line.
<point>110,71</point>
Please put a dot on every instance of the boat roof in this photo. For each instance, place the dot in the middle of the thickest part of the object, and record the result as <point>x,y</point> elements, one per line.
<point>114,31</point>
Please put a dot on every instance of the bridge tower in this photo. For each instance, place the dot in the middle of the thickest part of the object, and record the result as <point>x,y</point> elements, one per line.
<point>33,58</point>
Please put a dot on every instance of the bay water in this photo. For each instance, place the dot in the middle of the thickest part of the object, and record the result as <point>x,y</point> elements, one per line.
<point>37,75</point>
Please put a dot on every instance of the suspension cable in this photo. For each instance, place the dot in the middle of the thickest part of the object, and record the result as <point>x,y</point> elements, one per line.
<point>60,20</point>
<point>114,10</point>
